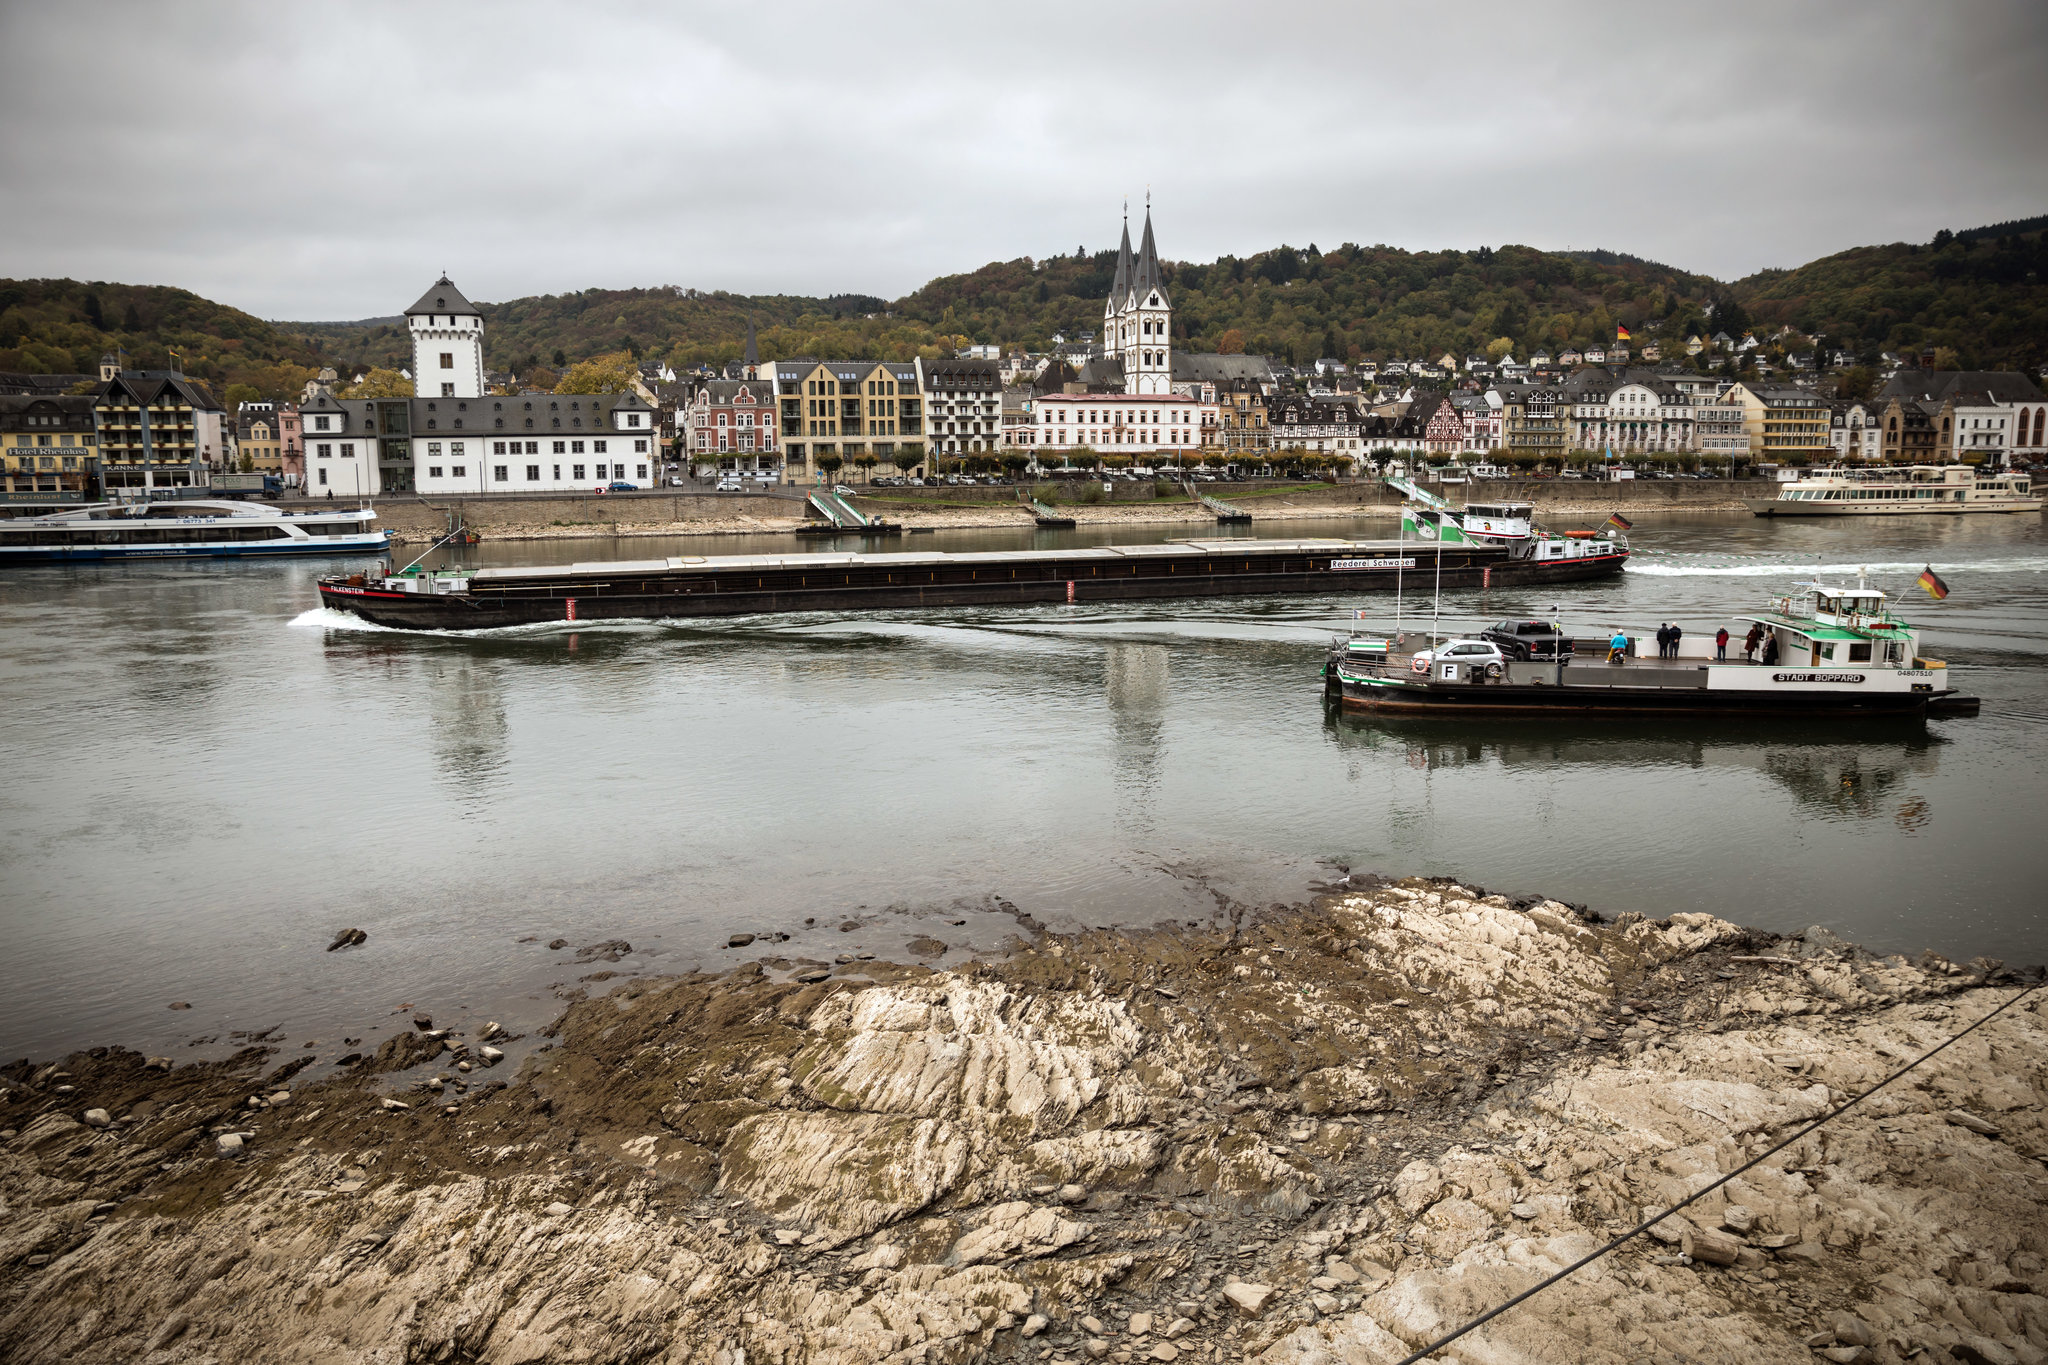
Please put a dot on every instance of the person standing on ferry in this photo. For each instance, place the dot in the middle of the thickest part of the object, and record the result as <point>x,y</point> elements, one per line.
<point>1721,645</point>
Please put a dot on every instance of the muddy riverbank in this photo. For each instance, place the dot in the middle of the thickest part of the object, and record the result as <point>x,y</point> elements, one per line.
<point>1316,1134</point>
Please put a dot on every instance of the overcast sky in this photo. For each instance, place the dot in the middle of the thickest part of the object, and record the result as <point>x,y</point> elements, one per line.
<point>326,162</point>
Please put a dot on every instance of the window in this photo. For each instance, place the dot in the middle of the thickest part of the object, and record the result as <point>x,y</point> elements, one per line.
<point>640,471</point>
<point>348,450</point>
<point>498,472</point>
<point>434,449</point>
<point>323,451</point>
<point>640,446</point>
<point>576,471</point>
<point>459,471</point>
<point>632,419</point>
<point>433,471</point>
<point>447,360</point>
<point>533,447</point>
<point>558,473</point>
<point>323,476</point>
<point>597,447</point>
<point>532,473</point>
<point>575,447</point>
<point>455,448</point>
<point>561,447</point>
<point>497,447</point>
<point>447,391</point>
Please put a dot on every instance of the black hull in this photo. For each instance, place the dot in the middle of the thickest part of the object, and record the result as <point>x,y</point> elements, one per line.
<point>1499,699</point>
<point>748,594</point>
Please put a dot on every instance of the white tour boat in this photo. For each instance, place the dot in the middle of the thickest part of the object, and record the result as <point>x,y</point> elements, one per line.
<point>188,527</point>
<point>1837,491</point>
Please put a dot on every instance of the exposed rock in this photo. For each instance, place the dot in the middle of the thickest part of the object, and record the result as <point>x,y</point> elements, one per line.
<point>1099,1128</point>
<point>738,941</point>
<point>611,950</point>
<point>1963,1118</point>
<point>1250,1298</point>
<point>555,944</point>
<point>228,1144</point>
<point>348,938</point>
<point>98,1118</point>
<point>181,1005</point>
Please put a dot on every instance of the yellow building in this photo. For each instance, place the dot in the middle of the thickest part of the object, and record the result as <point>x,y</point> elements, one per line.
<point>49,448</point>
<point>1781,423</point>
<point>849,408</point>
<point>260,438</point>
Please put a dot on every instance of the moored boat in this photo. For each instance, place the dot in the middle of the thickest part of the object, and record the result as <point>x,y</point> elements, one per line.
<point>1846,654</point>
<point>1904,490</point>
<point>188,528</point>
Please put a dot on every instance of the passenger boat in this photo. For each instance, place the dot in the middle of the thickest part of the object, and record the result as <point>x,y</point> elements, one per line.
<point>1930,489</point>
<point>1844,654</point>
<point>188,527</point>
<point>738,585</point>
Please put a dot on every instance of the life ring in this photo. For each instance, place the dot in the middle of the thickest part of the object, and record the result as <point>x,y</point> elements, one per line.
<point>1418,664</point>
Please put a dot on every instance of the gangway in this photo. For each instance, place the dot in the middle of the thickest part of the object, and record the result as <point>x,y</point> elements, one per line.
<point>1048,518</point>
<point>843,516</point>
<point>1225,511</point>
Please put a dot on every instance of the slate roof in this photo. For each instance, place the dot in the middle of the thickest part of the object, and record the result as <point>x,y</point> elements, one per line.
<point>1148,277</point>
<point>1195,367</point>
<point>443,297</point>
<point>149,386</point>
<point>2002,386</point>
<point>1120,288</point>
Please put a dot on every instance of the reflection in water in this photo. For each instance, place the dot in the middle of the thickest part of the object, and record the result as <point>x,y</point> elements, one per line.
<point>1134,683</point>
<point>1855,770</point>
<point>465,699</point>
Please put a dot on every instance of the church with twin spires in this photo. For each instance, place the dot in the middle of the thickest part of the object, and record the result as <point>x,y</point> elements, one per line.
<point>1138,358</point>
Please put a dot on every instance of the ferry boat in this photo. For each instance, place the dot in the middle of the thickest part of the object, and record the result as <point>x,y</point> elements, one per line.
<point>188,527</point>
<point>1947,489</point>
<point>1844,654</point>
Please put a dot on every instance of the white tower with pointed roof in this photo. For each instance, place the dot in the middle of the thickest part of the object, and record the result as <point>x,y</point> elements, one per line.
<point>1138,316</point>
<point>447,344</point>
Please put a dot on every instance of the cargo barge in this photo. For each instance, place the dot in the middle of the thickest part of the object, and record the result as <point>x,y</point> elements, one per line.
<point>741,585</point>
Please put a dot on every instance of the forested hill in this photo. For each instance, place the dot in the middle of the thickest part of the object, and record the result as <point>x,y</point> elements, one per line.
<point>64,327</point>
<point>1979,293</point>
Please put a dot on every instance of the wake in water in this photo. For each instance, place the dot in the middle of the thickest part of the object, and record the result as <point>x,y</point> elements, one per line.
<point>2033,564</point>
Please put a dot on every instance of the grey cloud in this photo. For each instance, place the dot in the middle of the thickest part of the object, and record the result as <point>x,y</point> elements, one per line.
<point>317,162</point>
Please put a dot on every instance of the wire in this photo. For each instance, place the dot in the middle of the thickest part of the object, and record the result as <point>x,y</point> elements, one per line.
<point>1648,1223</point>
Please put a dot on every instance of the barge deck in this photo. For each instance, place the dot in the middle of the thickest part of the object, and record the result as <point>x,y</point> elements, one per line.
<point>740,585</point>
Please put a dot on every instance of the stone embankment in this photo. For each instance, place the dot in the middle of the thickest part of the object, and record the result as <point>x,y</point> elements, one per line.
<point>418,520</point>
<point>1311,1136</point>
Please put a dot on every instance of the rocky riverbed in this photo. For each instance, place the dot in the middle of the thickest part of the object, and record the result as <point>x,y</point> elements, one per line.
<point>1314,1134</point>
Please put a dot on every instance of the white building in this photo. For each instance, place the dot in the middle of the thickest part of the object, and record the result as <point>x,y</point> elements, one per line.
<point>963,405</point>
<point>1153,428</point>
<point>1137,317</point>
<point>452,438</point>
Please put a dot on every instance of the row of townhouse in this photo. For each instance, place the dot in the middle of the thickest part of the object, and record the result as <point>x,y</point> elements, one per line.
<point>137,430</point>
<point>1933,416</point>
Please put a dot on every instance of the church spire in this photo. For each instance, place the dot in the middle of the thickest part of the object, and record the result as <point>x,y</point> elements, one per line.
<point>753,351</point>
<point>1122,288</point>
<point>1148,277</point>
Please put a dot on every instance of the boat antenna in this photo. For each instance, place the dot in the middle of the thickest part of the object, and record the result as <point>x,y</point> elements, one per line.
<point>1436,608</point>
<point>1400,549</point>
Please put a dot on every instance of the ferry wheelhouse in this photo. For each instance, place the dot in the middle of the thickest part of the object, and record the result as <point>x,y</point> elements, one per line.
<point>1844,654</point>
<point>1945,489</point>
<point>188,527</point>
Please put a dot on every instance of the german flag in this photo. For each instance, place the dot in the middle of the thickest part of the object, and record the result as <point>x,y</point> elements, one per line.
<point>1620,332</point>
<point>1931,581</point>
<point>1620,522</point>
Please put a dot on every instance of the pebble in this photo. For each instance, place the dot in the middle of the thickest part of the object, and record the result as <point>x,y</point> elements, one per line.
<point>181,1004</point>
<point>38,1259</point>
<point>1035,1324</point>
<point>1139,1325</point>
<point>739,940</point>
<point>1073,1194</point>
<point>1738,1218</point>
<point>98,1118</point>
<point>491,1030</point>
<point>396,1104</point>
<point>492,1056</point>
<point>278,1097</point>
<point>157,1064</point>
<point>1096,1348</point>
<point>813,975</point>
<point>227,1144</point>
<point>348,938</point>
<point>1851,1330</point>
<point>1326,1283</point>
<point>558,1209</point>
<point>558,943</point>
<point>1092,1325</point>
<point>1165,1350</point>
<point>1180,1327</point>
<point>462,1066</point>
<point>788,1237</point>
<point>1523,1211</point>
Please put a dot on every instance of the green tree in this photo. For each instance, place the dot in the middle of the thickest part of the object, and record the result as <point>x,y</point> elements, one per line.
<point>829,464</point>
<point>1499,349</point>
<point>907,460</point>
<point>237,394</point>
<point>559,360</point>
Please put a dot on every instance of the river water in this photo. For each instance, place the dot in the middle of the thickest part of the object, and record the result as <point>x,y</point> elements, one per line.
<point>207,776</point>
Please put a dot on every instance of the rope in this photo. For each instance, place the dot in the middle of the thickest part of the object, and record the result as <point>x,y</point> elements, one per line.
<point>1646,1224</point>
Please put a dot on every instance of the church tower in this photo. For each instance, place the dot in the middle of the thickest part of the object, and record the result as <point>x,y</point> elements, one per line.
<point>1138,316</point>
<point>447,344</point>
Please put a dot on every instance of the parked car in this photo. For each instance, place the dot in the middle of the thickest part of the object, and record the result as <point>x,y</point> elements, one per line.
<point>1478,655</point>
<point>842,490</point>
<point>729,484</point>
<point>621,486</point>
<point>1529,639</point>
<point>675,481</point>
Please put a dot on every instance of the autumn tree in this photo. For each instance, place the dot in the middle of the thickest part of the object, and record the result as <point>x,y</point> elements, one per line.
<point>609,373</point>
<point>1499,349</point>
<point>380,383</point>
<point>1230,343</point>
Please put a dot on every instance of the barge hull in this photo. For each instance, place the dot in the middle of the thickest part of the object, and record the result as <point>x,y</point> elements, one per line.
<point>1502,699</point>
<point>605,601</point>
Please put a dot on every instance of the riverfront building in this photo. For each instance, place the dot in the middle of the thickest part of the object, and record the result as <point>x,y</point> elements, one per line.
<point>451,437</point>
<point>49,448</point>
<point>157,429</point>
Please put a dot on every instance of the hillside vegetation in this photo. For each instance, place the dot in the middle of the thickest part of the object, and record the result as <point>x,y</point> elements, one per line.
<point>1979,293</point>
